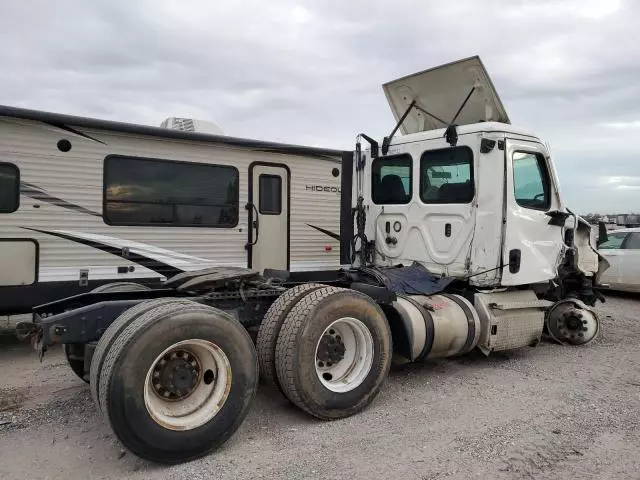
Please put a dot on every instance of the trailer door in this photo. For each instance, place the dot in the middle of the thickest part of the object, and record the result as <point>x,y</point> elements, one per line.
<point>532,246</point>
<point>268,245</point>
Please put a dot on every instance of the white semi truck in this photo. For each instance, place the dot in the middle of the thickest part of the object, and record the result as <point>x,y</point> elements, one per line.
<point>453,237</point>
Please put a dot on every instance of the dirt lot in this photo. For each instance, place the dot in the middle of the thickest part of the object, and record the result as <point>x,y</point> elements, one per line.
<point>548,412</point>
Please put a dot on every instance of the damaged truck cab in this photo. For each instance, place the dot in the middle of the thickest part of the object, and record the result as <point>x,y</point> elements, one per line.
<point>468,196</point>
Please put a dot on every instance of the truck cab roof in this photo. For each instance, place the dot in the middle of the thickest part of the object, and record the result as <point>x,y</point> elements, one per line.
<point>481,127</point>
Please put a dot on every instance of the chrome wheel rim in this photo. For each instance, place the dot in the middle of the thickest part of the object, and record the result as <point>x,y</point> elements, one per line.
<point>344,355</point>
<point>187,384</point>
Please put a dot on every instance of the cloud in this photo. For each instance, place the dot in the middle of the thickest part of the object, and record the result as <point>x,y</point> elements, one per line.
<point>629,124</point>
<point>310,72</point>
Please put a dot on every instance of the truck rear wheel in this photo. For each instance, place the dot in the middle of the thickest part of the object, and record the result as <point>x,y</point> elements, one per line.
<point>114,330</point>
<point>177,383</point>
<point>333,352</point>
<point>270,329</point>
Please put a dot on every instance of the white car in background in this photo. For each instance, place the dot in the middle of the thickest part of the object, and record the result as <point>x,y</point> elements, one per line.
<point>622,251</point>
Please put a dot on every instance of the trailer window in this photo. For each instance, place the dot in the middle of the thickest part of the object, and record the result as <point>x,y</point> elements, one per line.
<point>391,179</point>
<point>9,188</point>
<point>270,194</point>
<point>145,191</point>
<point>446,176</point>
<point>531,181</point>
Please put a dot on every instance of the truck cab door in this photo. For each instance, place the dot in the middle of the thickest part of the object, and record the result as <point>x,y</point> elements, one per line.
<point>531,246</point>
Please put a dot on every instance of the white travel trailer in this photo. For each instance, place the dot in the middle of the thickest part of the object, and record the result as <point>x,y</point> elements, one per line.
<point>84,202</point>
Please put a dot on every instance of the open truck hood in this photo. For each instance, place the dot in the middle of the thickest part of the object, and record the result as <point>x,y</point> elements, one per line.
<point>441,91</point>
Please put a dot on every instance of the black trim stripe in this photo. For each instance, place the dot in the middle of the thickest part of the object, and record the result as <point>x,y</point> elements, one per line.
<point>67,128</point>
<point>331,234</point>
<point>150,263</point>
<point>38,193</point>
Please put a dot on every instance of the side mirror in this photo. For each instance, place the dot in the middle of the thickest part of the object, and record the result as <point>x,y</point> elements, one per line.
<point>602,233</point>
<point>386,141</point>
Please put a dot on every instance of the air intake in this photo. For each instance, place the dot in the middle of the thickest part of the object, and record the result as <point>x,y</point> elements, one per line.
<point>192,125</point>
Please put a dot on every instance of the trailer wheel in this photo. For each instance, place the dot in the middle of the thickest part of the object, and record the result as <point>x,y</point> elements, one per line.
<point>270,329</point>
<point>114,330</point>
<point>120,287</point>
<point>333,353</point>
<point>176,384</point>
<point>75,358</point>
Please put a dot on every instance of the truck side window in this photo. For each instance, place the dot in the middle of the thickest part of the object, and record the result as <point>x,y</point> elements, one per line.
<point>531,181</point>
<point>614,241</point>
<point>446,176</point>
<point>9,188</point>
<point>391,179</point>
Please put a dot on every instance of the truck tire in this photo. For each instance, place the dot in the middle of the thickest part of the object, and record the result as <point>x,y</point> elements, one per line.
<point>75,353</point>
<point>333,352</point>
<point>176,383</point>
<point>120,287</point>
<point>114,330</point>
<point>270,329</point>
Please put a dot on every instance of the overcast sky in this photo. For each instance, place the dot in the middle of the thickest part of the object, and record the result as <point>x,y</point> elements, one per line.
<point>311,72</point>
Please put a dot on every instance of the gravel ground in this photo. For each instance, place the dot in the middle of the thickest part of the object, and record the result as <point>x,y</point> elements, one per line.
<point>546,413</point>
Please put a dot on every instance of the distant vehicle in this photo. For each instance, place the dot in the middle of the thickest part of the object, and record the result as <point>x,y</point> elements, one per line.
<point>622,250</point>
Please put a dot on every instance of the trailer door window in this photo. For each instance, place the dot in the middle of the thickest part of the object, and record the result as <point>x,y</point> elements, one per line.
<point>145,191</point>
<point>9,188</point>
<point>270,187</point>
<point>531,181</point>
<point>391,179</point>
<point>446,176</point>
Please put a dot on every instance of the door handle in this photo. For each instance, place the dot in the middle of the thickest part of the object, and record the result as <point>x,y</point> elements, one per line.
<point>254,224</point>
